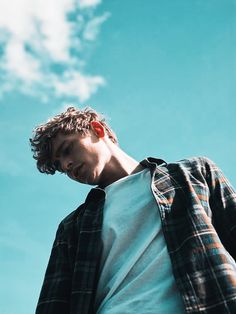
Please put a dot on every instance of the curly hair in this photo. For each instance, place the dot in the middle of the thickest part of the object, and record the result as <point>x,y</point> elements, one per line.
<point>73,120</point>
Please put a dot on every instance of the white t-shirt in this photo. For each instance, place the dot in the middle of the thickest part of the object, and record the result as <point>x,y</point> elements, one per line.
<point>135,272</point>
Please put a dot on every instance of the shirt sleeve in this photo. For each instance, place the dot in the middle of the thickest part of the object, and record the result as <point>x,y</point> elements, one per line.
<point>222,201</point>
<point>55,292</point>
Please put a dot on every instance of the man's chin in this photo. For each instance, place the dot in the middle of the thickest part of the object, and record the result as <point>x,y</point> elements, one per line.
<point>88,180</point>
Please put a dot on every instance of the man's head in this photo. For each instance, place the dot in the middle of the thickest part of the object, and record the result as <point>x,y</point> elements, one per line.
<point>81,129</point>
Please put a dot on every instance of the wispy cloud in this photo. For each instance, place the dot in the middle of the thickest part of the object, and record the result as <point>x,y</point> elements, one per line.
<point>92,28</point>
<point>43,44</point>
<point>88,3</point>
<point>10,231</point>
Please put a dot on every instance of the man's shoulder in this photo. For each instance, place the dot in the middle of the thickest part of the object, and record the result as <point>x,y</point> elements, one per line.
<point>69,222</point>
<point>192,163</point>
<point>199,166</point>
<point>200,161</point>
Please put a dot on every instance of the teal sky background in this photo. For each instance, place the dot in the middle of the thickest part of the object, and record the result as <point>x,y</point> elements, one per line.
<point>162,72</point>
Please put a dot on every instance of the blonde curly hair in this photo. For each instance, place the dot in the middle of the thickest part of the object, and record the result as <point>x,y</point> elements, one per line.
<point>73,120</point>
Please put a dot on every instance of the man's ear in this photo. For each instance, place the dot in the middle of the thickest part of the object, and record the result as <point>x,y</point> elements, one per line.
<point>98,128</point>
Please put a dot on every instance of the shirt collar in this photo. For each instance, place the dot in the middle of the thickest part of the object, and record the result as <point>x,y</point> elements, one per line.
<point>152,163</point>
<point>97,193</point>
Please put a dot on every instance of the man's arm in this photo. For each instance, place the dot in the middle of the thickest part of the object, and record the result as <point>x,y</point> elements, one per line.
<point>223,204</point>
<point>55,292</point>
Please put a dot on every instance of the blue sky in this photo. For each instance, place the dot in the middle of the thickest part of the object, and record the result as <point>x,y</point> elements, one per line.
<point>163,72</point>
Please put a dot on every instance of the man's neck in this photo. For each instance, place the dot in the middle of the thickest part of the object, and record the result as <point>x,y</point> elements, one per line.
<point>120,165</point>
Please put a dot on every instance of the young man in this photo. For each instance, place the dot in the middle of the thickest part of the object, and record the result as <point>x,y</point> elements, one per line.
<point>151,237</point>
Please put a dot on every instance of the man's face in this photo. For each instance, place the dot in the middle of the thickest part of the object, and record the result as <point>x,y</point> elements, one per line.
<point>82,157</point>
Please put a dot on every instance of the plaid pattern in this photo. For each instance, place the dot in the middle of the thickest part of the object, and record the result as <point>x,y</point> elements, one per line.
<point>197,207</point>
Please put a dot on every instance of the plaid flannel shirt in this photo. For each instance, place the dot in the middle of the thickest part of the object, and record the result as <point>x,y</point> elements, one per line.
<point>197,207</point>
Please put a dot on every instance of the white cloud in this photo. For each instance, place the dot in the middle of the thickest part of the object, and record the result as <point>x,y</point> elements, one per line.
<point>81,86</point>
<point>43,46</point>
<point>92,28</point>
<point>20,63</point>
<point>88,3</point>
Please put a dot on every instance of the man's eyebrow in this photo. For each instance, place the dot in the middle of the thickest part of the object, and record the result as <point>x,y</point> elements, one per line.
<point>58,151</point>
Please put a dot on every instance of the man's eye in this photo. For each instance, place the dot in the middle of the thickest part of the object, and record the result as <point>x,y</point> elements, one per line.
<point>67,149</point>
